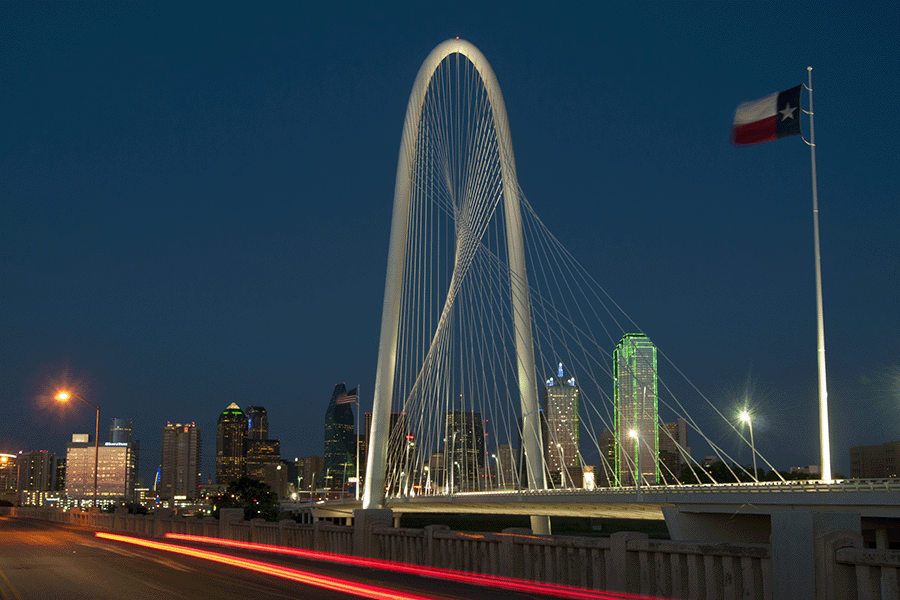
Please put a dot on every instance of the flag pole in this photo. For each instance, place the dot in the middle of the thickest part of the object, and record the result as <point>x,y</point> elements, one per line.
<point>820,321</point>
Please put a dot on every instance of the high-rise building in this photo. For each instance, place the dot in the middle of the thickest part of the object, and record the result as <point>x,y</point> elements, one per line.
<point>673,450</point>
<point>875,462</point>
<point>340,441</point>
<point>464,450</point>
<point>635,389</point>
<point>506,460</point>
<point>396,453</point>
<point>561,453</point>
<point>261,456</point>
<point>120,431</point>
<point>257,423</point>
<point>605,474</point>
<point>115,471</point>
<point>179,475</point>
<point>231,435</point>
<point>309,469</point>
<point>59,479</point>
<point>34,477</point>
<point>8,478</point>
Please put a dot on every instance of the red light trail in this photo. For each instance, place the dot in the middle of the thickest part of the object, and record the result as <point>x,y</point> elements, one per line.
<point>520,585</point>
<point>331,583</point>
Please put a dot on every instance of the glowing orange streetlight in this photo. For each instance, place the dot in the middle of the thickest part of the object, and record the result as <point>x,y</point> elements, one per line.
<point>62,397</point>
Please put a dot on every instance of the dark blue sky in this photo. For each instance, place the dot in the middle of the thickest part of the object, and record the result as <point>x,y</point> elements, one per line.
<point>195,201</point>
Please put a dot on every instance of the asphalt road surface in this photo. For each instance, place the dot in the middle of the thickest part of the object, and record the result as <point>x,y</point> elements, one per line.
<point>46,561</point>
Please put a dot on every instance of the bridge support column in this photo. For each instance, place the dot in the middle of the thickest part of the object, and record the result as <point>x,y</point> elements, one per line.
<point>540,525</point>
<point>794,561</point>
<point>365,521</point>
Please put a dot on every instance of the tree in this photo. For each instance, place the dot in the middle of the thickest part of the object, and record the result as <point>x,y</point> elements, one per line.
<point>254,496</point>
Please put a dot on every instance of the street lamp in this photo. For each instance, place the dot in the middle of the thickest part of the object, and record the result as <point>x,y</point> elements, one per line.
<point>62,397</point>
<point>746,418</point>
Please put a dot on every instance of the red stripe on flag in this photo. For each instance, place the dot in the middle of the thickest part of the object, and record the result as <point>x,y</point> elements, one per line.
<point>756,132</point>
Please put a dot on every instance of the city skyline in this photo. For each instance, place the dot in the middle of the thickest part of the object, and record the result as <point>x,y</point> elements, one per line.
<point>198,215</point>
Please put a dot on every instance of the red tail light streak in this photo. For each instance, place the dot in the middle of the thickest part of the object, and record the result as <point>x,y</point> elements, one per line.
<point>331,583</point>
<point>507,583</point>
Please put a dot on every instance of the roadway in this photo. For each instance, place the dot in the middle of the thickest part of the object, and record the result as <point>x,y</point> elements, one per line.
<point>40,560</point>
<point>876,499</point>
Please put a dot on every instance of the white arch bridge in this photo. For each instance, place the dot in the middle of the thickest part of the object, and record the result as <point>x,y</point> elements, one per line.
<point>508,380</point>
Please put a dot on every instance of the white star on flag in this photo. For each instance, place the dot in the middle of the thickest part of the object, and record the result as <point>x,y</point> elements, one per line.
<point>788,112</point>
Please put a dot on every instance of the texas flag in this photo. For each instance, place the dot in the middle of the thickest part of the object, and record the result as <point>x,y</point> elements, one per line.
<point>775,116</point>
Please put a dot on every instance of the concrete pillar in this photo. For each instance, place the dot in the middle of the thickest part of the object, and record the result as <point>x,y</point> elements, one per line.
<point>119,519</point>
<point>365,521</point>
<point>319,536</point>
<point>623,570</point>
<point>226,516</point>
<point>835,581</point>
<point>159,528</point>
<point>793,543</point>
<point>512,559</point>
<point>281,539</point>
<point>432,546</point>
<point>254,529</point>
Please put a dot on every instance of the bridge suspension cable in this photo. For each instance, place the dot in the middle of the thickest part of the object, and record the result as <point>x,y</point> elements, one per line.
<point>479,297</point>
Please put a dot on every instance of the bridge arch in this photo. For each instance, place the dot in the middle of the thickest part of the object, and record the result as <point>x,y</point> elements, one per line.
<point>374,492</point>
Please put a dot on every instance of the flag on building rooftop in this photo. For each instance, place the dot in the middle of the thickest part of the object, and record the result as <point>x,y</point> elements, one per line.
<point>347,397</point>
<point>775,116</point>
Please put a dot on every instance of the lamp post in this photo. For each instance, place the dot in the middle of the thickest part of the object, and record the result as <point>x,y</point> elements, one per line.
<point>746,418</point>
<point>63,396</point>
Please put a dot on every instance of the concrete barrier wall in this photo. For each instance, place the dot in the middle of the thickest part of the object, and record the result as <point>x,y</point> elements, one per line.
<point>624,562</point>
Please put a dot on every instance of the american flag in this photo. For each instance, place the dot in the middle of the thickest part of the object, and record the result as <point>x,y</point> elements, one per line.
<point>347,397</point>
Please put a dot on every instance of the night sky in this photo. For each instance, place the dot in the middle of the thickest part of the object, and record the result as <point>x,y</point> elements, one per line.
<point>195,202</point>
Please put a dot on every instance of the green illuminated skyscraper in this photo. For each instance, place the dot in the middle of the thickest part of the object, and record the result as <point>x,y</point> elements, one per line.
<point>637,433</point>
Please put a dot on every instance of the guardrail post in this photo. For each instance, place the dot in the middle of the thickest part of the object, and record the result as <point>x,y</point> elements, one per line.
<point>158,527</point>
<point>512,554</point>
<point>431,547</point>
<point>623,570</point>
<point>365,521</point>
<point>836,581</point>
<point>794,532</point>
<point>226,517</point>
<point>282,523</point>
<point>254,529</point>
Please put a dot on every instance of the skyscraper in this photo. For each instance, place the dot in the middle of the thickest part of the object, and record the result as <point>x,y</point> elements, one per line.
<point>340,441</point>
<point>180,464</point>
<point>35,476</point>
<point>561,442</point>
<point>635,388</point>
<point>396,453</point>
<point>261,455</point>
<point>464,450</point>
<point>120,431</point>
<point>673,450</point>
<point>231,435</point>
<point>8,478</point>
<point>257,423</point>
<point>115,473</point>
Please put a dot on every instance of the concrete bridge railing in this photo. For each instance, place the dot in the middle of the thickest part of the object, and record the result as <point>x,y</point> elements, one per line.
<point>624,562</point>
